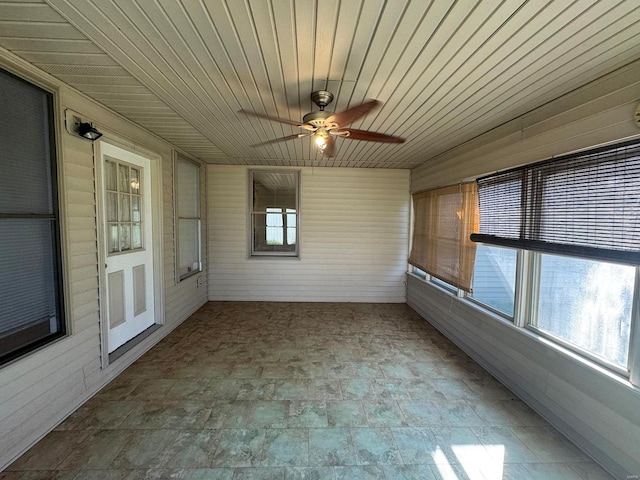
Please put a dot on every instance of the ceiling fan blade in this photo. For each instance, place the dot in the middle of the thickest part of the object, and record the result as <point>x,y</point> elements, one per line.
<point>330,147</point>
<point>268,117</point>
<point>372,136</point>
<point>282,139</point>
<point>352,114</point>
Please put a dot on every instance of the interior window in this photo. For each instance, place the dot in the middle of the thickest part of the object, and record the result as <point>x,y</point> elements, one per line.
<point>274,212</point>
<point>31,310</point>
<point>187,186</point>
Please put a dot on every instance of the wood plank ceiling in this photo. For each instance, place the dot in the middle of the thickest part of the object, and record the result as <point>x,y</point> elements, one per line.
<point>445,70</point>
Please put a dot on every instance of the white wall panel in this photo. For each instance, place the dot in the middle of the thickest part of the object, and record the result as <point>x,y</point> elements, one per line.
<point>353,238</point>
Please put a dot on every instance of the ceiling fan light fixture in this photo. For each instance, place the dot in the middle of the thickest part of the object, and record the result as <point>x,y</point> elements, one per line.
<point>320,141</point>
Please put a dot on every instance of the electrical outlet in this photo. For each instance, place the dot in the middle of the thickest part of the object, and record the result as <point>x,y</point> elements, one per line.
<point>200,281</point>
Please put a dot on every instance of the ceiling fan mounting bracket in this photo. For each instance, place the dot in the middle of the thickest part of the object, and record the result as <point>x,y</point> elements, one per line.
<point>321,98</point>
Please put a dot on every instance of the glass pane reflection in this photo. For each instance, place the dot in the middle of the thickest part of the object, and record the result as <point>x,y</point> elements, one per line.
<point>112,207</point>
<point>125,209</point>
<point>124,181</point>
<point>110,175</point>
<point>136,236</point>
<point>125,237</point>
<point>135,208</point>
<point>112,235</point>
<point>135,180</point>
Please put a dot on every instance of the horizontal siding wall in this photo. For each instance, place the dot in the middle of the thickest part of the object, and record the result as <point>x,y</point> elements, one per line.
<point>353,238</point>
<point>598,411</point>
<point>41,389</point>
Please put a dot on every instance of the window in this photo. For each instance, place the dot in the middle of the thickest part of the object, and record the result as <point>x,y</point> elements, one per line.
<point>494,278</point>
<point>188,219</point>
<point>587,304</point>
<point>274,212</point>
<point>444,219</point>
<point>584,205</point>
<point>124,206</point>
<point>558,252</point>
<point>31,306</point>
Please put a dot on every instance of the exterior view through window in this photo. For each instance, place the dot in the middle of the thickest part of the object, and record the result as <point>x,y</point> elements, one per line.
<point>494,278</point>
<point>588,304</point>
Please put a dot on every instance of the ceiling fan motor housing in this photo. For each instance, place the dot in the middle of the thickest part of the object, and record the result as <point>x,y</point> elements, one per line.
<point>321,98</point>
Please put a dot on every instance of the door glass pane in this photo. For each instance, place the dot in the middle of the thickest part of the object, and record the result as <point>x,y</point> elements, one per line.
<point>124,179</point>
<point>112,207</point>
<point>135,180</point>
<point>110,175</point>
<point>135,208</point>
<point>125,237</point>
<point>112,236</point>
<point>587,303</point>
<point>136,236</point>
<point>125,209</point>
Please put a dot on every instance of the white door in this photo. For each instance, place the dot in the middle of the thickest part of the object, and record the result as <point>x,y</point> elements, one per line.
<point>126,219</point>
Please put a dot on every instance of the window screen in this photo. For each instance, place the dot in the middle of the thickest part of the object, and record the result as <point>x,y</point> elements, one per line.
<point>585,205</point>
<point>30,278</point>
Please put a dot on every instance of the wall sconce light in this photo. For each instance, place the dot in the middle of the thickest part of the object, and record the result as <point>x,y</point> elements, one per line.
<point>76,125</point>
<point>87,130</point>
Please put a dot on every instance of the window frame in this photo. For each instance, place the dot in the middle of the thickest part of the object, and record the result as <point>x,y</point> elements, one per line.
<point>55,218</point>
<point>176,193</point>
<point>252,252</point>
<point>531,322</point>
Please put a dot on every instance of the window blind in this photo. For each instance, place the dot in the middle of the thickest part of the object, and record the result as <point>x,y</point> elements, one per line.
<point>585,204</point>
<point>444,219</point>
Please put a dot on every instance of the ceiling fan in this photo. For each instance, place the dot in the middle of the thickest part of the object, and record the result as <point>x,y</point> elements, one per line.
<point>324,126</point>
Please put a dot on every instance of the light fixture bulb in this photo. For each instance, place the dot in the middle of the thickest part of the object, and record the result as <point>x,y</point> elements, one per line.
<point>321,142</point>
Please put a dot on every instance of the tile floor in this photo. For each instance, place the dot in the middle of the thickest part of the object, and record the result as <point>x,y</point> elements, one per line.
<point>304,391</point>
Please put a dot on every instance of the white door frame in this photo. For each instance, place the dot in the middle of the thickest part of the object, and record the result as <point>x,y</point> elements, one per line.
<point>156,218</point>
